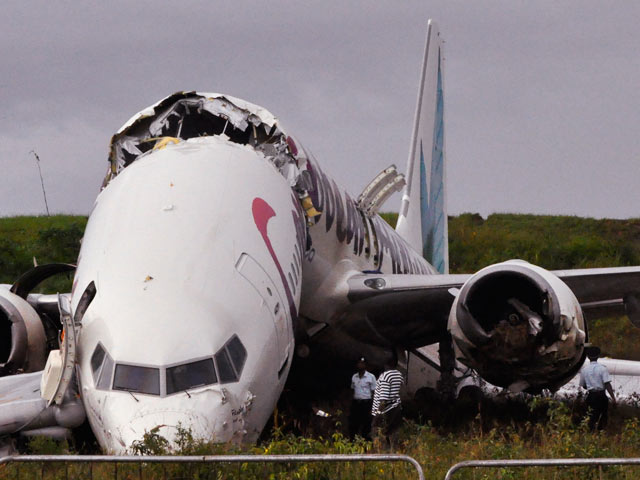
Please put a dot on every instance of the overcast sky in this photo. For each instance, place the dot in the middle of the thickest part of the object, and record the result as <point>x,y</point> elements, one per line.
<point>542,99</point>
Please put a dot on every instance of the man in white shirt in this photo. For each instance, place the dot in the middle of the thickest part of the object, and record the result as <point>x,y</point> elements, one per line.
<point>363,384</point>
<point>595,378</point>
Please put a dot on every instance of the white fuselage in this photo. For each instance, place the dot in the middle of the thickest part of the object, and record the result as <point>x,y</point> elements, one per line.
<point>205,267</point>
<point>180,265</point>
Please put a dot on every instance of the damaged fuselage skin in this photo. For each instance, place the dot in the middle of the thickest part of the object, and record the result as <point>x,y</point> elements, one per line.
<point>218,253</point>
<point>212,223</point>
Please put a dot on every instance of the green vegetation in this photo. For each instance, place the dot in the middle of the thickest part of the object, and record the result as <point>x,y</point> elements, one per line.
<point>45,239</point>
<point>555,243</point>
<point>551,242</point>
<point>555,434</point>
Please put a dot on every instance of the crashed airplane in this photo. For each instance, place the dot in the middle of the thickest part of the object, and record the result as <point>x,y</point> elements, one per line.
<point>219,262</point>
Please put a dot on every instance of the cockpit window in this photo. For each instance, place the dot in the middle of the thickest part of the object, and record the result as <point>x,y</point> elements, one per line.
<point>102,368</point>
<point>104,383</point>
<point>190,375</point>
<point>237,352</point>
<point>225,368</point>
<point>230,360</point>
<point>96,362</point>
<point>137,379</point>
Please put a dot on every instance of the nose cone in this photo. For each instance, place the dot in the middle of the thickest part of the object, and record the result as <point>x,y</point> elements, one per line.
<point>172,429</point>
<point>182,266</point>
<point>153,425</point>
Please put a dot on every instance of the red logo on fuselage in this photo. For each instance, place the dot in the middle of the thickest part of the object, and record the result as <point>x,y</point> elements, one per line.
<point>262,213</point>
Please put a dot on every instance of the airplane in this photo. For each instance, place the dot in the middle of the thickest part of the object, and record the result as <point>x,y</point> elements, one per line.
<point>220,262</point>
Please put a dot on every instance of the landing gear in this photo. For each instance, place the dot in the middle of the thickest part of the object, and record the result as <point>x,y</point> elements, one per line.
<point>447,384</point>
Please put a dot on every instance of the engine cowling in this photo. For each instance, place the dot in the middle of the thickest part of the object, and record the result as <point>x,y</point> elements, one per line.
<point>519,326</point>
<point>22,336</point>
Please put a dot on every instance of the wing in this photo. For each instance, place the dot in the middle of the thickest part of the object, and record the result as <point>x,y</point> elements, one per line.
<point>606,292</point>
<point>412,310</point>
<point>400,310</point>
<point>23,409</point>
<point>45,400</point>
<point>35,395</point>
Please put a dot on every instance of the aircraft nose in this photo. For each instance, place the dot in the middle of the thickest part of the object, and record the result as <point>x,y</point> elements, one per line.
<point>151,431</point>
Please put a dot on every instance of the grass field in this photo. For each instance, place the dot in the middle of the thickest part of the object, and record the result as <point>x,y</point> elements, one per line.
<point>553,242</point>
<point>554,431</point>
<point>555,434</point>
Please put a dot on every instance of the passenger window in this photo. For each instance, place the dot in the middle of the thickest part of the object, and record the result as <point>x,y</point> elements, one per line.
<point>190,375</point>
<point>238,353</point>
<point>137,379</point>
<point>225,369</point>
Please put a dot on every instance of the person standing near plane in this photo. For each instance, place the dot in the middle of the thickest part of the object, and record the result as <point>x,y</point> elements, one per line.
<point>595,378</point>
<point>363,384</point>
<point>387,409</point>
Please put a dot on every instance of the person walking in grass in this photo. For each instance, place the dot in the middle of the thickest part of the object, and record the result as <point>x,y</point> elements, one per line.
<point>594,377</point>
<point>387,407</point>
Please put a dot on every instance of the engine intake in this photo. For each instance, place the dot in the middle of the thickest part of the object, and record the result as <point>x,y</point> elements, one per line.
<point>519,326</point>
<point>22,337</point>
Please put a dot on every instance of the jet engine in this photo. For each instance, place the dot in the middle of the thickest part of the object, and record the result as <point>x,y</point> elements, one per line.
<point>22,336</point>
<point>519,326</point>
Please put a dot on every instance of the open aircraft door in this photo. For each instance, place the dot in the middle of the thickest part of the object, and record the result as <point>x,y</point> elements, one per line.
<point>260,280</point>
<point>58,372</point>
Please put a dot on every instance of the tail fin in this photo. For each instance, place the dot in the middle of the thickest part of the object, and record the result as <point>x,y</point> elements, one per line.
<point>422,221</point>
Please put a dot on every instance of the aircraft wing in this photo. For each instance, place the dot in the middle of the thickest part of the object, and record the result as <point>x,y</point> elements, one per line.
<point>400,310</point>
<point>412,310</point>
<point>45,402</point>
<point>22,408</point>
<point>606,292</point>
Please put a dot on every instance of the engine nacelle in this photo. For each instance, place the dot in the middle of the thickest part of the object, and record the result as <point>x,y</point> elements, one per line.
<point>22,337</point>
<point>519,326</point>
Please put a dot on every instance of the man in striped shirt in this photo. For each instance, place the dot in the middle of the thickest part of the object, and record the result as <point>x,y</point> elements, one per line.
<point>386,409</point>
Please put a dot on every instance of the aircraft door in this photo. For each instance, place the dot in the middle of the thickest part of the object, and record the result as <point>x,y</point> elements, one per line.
<point>58,371</point>
<point>260,280</point>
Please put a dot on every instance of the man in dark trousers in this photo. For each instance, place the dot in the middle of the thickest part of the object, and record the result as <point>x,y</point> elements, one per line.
<point>387,409</point>
<point>363,385</point>
<point>595,378</point>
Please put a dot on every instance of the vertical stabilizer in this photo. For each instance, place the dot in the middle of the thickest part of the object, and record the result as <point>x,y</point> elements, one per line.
<point>423,216</point>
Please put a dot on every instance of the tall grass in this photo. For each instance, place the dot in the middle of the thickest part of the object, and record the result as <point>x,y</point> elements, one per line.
<point>555,434</point>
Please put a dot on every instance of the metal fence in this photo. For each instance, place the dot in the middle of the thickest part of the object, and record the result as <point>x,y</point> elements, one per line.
<point>551,462</point>
<point>209,459</point>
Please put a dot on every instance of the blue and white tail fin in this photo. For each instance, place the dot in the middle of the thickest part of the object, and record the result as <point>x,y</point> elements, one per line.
<point>422,221</point>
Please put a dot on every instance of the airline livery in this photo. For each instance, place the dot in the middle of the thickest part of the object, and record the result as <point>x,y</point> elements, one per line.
<point>218,257</point>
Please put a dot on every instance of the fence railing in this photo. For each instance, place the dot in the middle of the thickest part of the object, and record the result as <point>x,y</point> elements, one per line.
<point>212,459</point>
<point>550,462</point>
<point>328,458</point>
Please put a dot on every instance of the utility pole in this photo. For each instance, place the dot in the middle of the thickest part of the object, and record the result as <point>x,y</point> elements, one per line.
<point>44,193</point>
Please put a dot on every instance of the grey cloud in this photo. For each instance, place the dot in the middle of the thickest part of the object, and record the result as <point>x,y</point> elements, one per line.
<point>541,97</point>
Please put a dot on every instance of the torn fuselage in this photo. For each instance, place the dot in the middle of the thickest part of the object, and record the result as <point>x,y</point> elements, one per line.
<point>187,115</point>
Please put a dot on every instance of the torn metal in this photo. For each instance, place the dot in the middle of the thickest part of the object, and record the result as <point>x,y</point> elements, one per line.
<point>188,115</point>
<point>519,327</point>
